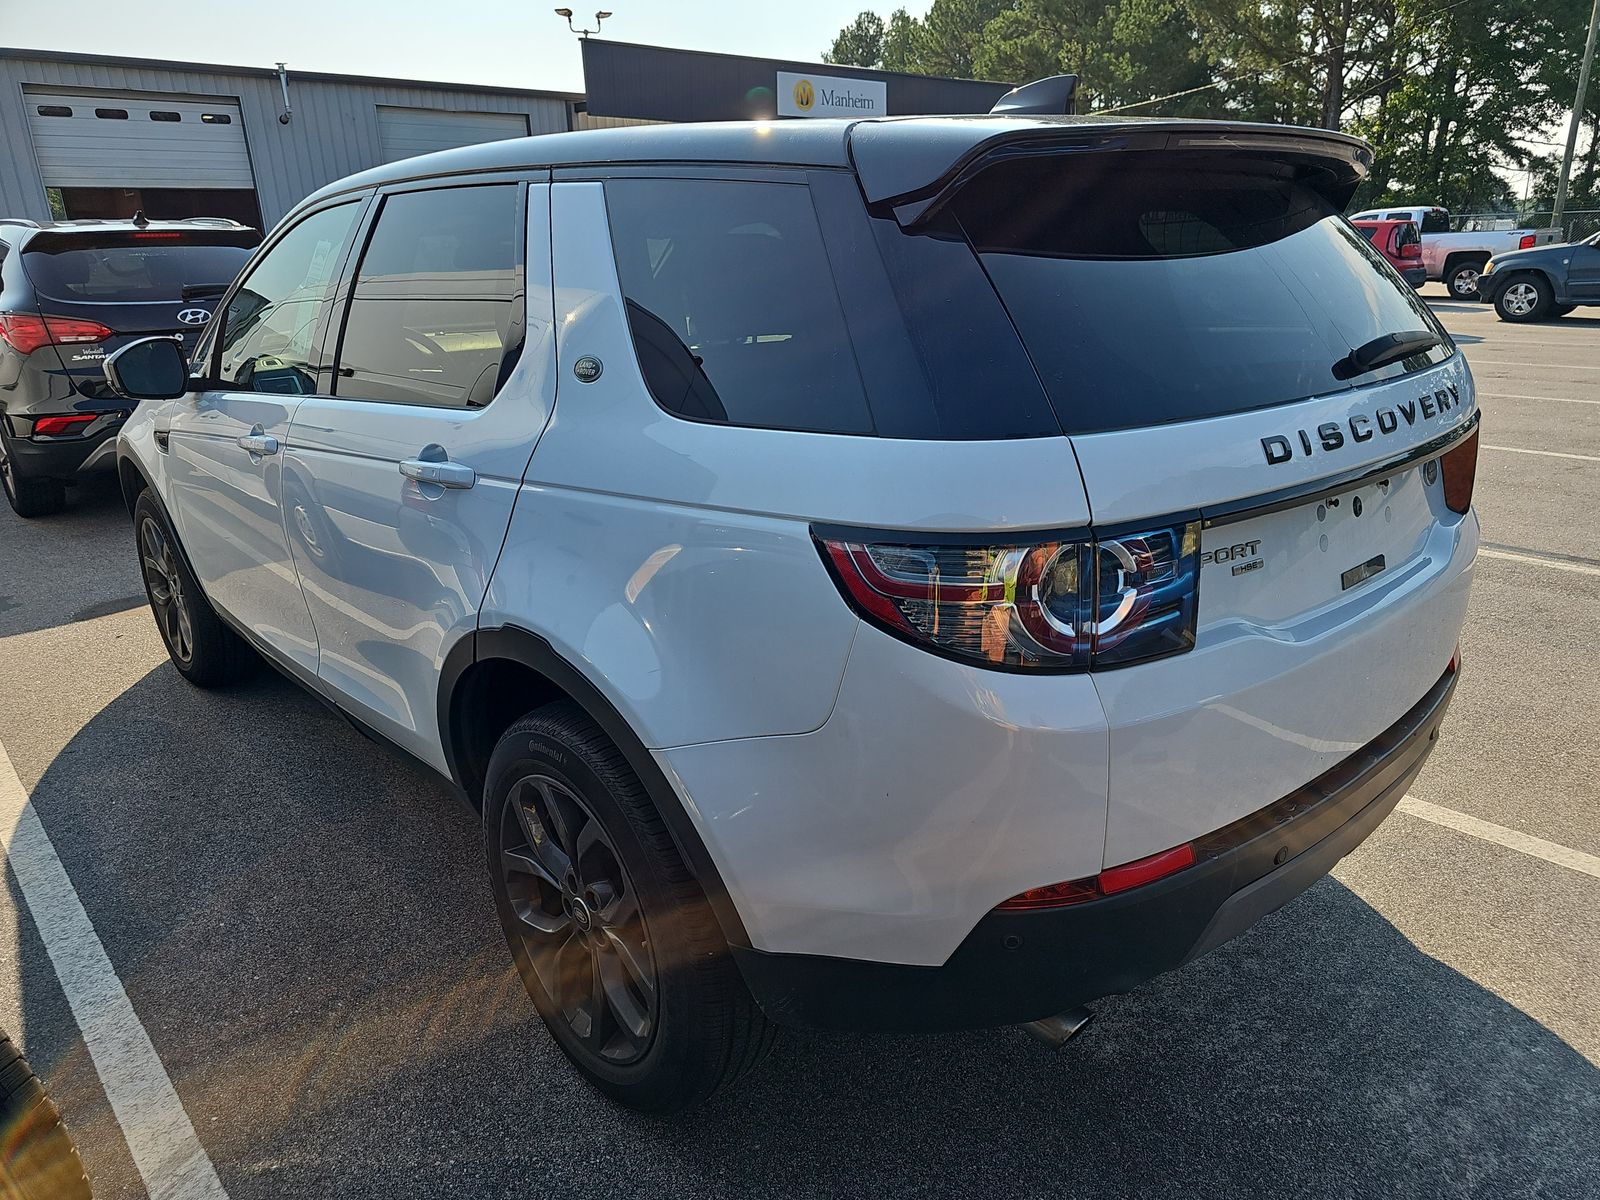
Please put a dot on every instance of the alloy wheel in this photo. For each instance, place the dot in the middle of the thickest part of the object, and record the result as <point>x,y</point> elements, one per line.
<point>578,917</point>
<point>167,596</point>
<point>1466,282</point>
<point>1520,299</point>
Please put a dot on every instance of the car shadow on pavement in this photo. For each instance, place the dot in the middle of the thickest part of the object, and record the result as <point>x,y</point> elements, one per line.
<point>75,565</point>
<point>302,924</point>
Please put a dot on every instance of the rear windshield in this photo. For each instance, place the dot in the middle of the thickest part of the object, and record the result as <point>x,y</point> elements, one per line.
<point>1179,287</point>
<point>140,265</point>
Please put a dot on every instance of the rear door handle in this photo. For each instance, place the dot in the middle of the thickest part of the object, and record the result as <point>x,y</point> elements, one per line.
<point>444,474</point>
<point>258,443</point>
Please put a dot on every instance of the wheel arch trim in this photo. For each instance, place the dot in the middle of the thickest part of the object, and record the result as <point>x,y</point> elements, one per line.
<point>517,645</point>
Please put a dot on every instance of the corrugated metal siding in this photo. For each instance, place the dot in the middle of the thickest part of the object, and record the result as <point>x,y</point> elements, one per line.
<point>84,150</point>
<point>584,120</point>
<point>334,132</point>
<point>408,132</point>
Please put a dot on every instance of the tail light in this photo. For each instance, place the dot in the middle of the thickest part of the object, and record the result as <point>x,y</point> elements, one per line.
<point>1410,249</point>
<point>1459,466</point>
<point>1108,883</point>
<point>1065,604</point>
<point>1526,242</point>
<point>26,332</point>
<point>56,426</point>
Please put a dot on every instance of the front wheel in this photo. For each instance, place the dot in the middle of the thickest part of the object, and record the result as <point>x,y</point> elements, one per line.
<point>206,652</point>
<point>615,942</point>
<point>1525,298</point>
<point>1462,280</point>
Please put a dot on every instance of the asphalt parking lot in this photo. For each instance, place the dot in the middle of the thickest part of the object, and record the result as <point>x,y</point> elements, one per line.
<point>301,926</point>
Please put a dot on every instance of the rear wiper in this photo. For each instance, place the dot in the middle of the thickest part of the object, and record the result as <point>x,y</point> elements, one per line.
<point>194,291</point>
<point>1381,351</point>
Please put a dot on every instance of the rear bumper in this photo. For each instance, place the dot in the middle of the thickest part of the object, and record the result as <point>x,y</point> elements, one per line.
<point>1020,966</point>
<point>66,458</point>
<point>1415,276</point>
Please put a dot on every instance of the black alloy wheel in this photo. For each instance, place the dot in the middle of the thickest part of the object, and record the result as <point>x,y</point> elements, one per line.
<point>579,919</point>
<point>164,580</point>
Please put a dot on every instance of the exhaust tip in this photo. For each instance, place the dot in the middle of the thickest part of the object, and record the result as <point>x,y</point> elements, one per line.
<point>1055,1032</point>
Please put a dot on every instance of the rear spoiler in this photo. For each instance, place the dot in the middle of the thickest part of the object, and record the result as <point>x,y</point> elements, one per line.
<point>911,167</point>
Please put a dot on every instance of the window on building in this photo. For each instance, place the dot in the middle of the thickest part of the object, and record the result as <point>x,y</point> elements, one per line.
<point>435,314</point>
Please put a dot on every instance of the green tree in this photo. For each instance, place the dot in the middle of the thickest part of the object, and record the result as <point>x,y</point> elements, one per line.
<point>859,44</point>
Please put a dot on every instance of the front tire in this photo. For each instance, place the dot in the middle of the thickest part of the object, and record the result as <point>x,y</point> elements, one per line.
<point>1524,298</point>
<point>614,940</point>
<point>206,652</point>
<point>1462,279</point>
<point>37,1158</point>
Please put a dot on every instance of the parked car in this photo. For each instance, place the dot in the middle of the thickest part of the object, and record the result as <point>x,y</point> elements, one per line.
<point>1536,285</point>
<point>839,621</point>
<point>1457,258</point>
<point>1401,246</point>
<point>71,293</point>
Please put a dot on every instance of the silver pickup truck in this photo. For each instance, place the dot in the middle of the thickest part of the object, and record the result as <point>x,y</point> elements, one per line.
<point>1458,258</point>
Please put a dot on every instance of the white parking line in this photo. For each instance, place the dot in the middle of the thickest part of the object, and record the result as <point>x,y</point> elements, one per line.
<point>1544,453</point>
<point>1519,396</point>
<point>1511,839</point>
<point>1539,560</point>
<point>160,1137</point>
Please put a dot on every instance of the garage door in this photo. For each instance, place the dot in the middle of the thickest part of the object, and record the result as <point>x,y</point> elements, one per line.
<point>403,132</point>
<point>137,140</point>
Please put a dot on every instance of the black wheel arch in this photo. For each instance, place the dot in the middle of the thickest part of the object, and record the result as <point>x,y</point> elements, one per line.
<point>491,678</point>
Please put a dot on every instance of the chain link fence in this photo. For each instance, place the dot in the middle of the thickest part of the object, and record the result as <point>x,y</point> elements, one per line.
<point>1577,223</point>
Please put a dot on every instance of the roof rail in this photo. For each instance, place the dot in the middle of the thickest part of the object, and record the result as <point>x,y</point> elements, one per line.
<point>23,221</point>
<point>226,222</point>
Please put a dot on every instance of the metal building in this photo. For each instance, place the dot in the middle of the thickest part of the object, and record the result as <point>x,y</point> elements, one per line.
<point>101,136</point>
<point>90,135</point>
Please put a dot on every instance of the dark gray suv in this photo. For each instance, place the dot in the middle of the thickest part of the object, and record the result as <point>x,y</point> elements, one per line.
<point>1545,282</point>
<point>72,293</point>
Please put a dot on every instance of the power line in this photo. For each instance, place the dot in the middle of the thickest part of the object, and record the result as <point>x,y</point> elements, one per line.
<point>1216,83</point>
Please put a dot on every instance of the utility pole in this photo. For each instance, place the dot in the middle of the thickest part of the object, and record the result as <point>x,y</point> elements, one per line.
<point>1577,119</point>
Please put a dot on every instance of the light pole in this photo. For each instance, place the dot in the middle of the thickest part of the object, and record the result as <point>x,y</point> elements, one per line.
<point>1577,118</point>
<point>600,17</point>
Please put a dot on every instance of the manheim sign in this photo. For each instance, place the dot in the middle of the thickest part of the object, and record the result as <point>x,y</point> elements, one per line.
<point>830,96</point>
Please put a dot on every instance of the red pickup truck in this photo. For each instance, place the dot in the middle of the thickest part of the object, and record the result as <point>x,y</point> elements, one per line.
<point>1401,244</point>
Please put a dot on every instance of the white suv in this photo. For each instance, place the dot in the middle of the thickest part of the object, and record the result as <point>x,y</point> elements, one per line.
<point>894,575</point>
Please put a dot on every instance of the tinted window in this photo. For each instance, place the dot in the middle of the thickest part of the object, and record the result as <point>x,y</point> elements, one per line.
<point>1433,222</point>
<point>433,311</point>
<point>127,267</point>
<point>732,304</point>
<point>270,322</point>
<point>1182,286</point>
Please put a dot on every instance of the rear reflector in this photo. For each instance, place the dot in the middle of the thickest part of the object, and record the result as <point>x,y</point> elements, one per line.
<point>1459,466</point>
<point>55,426</point>
<point>1108,883</point>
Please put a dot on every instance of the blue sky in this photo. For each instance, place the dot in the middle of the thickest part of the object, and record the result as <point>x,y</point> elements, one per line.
<point>515,43</point>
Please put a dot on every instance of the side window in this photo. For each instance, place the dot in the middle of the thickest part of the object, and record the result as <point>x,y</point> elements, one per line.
<point>435,317</point>
<point>1433,222</point>
<point>267,329</point>
<point>732,305</point>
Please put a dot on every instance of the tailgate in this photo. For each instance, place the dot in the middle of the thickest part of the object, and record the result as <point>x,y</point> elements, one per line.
<point>1332,591</point>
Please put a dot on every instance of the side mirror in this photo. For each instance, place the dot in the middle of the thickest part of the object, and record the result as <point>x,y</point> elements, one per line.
<point>150,369</point>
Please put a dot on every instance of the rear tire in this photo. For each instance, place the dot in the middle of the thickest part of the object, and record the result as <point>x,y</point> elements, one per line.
<point>614,940</point>
<point>1462,279</point>
<point>206,652</point>
<point>28,497</point>
<point>1524,298</point>
<point>37,1158</point>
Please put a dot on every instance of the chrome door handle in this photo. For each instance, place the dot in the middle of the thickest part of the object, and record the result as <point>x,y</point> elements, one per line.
<point>444,474</point>
<point>258,443</point>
